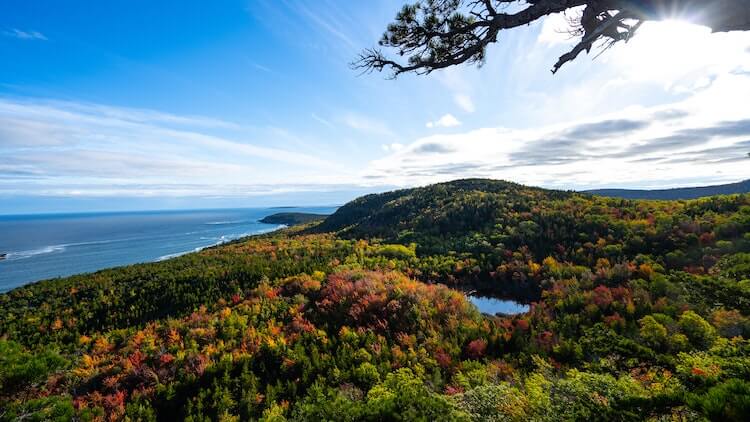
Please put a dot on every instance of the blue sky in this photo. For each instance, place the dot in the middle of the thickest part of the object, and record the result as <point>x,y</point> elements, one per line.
<point>143,104</point>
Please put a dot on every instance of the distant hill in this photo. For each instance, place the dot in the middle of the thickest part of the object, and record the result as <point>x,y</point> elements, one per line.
<point>292,218</point>
<point>676,193</point>
<point>453,212</point>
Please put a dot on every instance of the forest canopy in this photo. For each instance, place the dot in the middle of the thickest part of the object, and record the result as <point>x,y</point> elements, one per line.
<point>640,310</point>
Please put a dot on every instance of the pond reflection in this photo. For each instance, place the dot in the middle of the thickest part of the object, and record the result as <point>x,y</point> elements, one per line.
<point>493,305</point>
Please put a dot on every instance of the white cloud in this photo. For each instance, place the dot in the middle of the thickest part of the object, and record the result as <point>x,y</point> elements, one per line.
<point>465,102</point>
<point>394,147</point>
<point>664,63</point>
<point>448,120</point>
<point>50,146</point>
<point>702,139</point>
<point>679,54</point>
<point>556,27</point>
<point>25,35</point>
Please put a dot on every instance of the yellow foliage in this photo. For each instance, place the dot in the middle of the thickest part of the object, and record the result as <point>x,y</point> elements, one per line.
<point>534,268</point>
<point>88,361</point>
<point>550,263</point>
<point>101,345</point>
<point>58,324</point>
<point>173,336</point>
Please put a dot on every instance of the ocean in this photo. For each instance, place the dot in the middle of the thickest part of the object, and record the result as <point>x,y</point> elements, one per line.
<point>45,246</point>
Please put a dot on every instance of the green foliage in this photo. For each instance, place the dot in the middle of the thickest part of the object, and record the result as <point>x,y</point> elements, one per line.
<point>403,397</point>
<point>55,408</point>
<point>20,369</point>
<point>496,402</point>
<point>735,266</point>
<point>641,310</point>
<point>697,329</point>
<point>653,333</point>
<point>728,401</point>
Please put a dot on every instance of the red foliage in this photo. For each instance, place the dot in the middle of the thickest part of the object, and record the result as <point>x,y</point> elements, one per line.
<point>114,405</point>
<point>620,293</point>
<point>136,359</point>
<point>602,296</point>
<point>698,371</point>
<point>695,269</point>
<point>197,364</point>
<point>166,359</point>
<point>522,324</point>
<point>476,348</point>
<point>387,303</point>
<point>443,359</point>
<point>451,390</point>
<point>298,326</point>
<point>706,238</point>
<point>615,321</point>
<point>546,340</point>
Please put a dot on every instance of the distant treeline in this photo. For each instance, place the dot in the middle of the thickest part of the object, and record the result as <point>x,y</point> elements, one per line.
<point>292,218</point>
<point>676,193</point>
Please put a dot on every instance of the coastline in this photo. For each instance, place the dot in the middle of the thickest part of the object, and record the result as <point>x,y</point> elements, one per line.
<point>43,248</point>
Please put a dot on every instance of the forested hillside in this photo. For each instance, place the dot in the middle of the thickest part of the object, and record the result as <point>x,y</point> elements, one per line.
<point>676,193</point>
<point>640,311</point>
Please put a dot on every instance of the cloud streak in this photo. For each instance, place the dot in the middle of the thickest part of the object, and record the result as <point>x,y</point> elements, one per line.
<point>25,35</point>
<point>51,144</point>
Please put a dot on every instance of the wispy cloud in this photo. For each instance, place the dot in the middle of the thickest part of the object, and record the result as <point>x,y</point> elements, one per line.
<point>367,124</point>
<point>705,136</point>
<point>25,35</point>
<point>393,147</point>
<point>447,120</point>
<point>52,145</point>
<point>327,23</point>
<point>465,102</point>
<point>261,67</point>
<point>322,121</point>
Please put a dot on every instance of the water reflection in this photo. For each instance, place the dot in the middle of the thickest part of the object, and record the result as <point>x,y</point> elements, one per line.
<point>493,305</point>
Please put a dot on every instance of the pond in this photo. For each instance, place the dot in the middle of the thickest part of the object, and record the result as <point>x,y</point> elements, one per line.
<point>494,305</point>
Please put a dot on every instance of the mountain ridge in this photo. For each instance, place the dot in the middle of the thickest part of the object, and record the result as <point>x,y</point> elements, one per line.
<point>675,193</point>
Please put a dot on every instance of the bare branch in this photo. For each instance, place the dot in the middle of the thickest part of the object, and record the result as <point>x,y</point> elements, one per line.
<point>434,34</point>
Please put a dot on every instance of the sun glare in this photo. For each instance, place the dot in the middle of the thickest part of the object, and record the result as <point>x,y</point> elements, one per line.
<point>666,47</point>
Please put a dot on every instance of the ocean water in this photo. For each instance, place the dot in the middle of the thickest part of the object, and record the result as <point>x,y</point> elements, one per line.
<point>39,247</point>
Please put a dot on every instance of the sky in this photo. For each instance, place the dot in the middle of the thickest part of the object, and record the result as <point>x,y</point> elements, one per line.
<point>191,104</point>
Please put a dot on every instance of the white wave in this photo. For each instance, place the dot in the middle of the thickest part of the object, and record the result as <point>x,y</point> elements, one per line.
<point>219,241</point>
<point>16,255</point>
<point>97,242</point>
<point>171,255</point>
<point>11,256</point>
<point>222,223</point>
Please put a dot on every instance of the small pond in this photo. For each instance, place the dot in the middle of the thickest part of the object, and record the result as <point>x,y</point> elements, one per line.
<point>494,305</point>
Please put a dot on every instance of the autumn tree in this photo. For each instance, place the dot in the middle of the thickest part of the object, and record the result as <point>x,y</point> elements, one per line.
<point>433,34</point>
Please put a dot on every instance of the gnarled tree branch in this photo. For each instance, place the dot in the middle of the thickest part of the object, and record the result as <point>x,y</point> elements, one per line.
<point>435,34</point>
